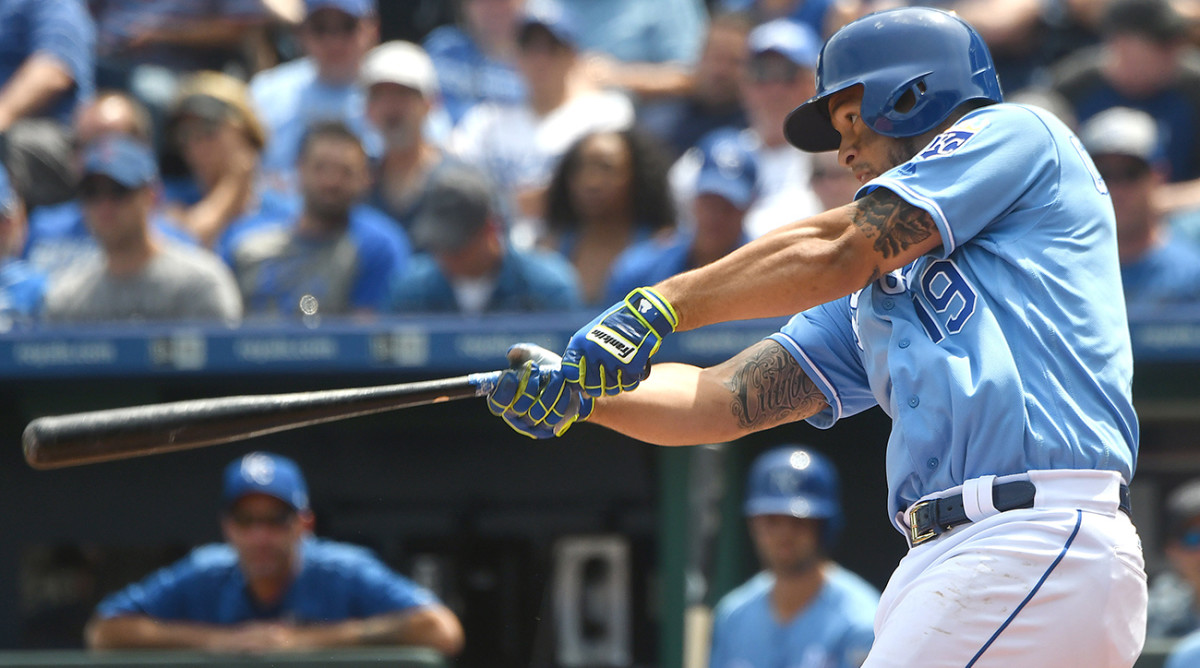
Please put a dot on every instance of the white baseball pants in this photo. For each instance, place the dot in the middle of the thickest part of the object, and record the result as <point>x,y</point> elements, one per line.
<point>1059,585</point>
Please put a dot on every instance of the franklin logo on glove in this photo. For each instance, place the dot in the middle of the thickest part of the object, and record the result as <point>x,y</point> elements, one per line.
<point>613,342</point>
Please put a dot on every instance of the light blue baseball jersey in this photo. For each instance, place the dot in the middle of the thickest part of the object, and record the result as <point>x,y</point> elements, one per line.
<point>1006,350</point>
<point>835,630</point>
<point>1186,653</point>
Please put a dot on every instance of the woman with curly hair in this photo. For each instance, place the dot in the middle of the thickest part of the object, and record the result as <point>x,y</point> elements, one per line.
<point>609,191</point>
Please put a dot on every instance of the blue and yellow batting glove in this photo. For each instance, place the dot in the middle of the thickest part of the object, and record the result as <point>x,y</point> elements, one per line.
<point>612,353</point>
<point>532,396</point>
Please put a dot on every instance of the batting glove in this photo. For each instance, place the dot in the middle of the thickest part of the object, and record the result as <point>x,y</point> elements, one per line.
<point>533,397</point>
<point>612,353</point>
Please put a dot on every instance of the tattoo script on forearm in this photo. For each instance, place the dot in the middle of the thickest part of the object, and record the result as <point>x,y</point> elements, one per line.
<point>770,388</point>
<point>891,223</point>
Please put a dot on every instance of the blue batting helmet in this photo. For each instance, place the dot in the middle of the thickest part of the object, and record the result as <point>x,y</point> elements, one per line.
<point>916,66</point>
<point>797,481</point>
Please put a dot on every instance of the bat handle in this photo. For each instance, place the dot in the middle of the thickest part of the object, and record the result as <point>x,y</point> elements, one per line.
<point>484,382</point>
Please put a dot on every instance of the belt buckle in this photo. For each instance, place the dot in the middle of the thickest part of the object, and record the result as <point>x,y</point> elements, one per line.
<point>917,535</point>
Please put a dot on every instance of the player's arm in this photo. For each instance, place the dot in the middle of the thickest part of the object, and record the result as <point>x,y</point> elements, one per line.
<point>432,626</point>
<point>806,263</point>
<point>145,632</point>
<point>793,268</point>
<point>680,404</point>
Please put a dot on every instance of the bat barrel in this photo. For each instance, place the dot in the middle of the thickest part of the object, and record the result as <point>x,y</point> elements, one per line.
<point>119,433</point>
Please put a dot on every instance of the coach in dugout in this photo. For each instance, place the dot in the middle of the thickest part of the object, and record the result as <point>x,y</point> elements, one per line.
<point>272,585</point>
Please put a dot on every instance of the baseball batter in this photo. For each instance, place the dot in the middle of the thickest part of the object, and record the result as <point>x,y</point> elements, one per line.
<point>972,291</point>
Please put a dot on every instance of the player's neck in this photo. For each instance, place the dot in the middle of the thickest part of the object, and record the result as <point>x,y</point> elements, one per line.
<point>268,592</point>
<point>795,590</point>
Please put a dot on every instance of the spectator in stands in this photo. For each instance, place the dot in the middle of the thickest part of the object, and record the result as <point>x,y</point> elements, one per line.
<point>823,17</point>
<point>220,139</point>
<point>725,190</point>
<point>335,36</point>
<point>46,72</point>
<point>1174,608</point>
<point>470,268</point>
<point>475,59</point>
<point>608,192</point>
<point>147,46</point>
<point>645,48</point>
<point>140,276</point>
<point>1145,62</point>
<point>714,100</point>
<point>834,184</point>
<point>778,78</point>
<point>518,146</point>
<point>401,89</point>
<point>802,609</point>
<point>21,286</point>
<point>59,237</point>
<point>272,586</point>
<point>332,258</point>
<point>1155,268</point>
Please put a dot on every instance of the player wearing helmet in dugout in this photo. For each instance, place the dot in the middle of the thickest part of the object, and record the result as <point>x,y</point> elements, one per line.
<point>972,291</point>
<point>802,609</point>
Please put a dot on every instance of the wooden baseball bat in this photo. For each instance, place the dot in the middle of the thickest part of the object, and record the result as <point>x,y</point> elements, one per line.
<point>121,433</point>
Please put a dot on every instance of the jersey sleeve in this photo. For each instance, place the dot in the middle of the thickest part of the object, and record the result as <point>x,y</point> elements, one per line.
<point>718,655</point>
<point>382,590</point>
<point>64,30</point>
<point>383,252</point>
<point>969,176</point>
<point>823,343</point>
<point>162,594</point>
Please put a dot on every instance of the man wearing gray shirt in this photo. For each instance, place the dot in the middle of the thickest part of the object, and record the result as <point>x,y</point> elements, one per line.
<point>140,276</point>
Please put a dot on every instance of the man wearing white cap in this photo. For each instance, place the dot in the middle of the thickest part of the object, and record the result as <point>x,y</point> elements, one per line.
<point>402,88</point>
<point>1156,269</point>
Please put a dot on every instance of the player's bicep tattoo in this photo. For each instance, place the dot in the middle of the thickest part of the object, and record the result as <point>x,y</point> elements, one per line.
<point>892,224</point>
<point>767,388</point>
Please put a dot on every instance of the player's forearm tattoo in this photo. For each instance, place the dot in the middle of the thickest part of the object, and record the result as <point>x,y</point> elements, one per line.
<point>769,388</point>
<point>891,222</point>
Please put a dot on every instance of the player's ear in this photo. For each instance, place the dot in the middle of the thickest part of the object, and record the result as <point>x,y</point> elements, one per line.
<point>307,520</point>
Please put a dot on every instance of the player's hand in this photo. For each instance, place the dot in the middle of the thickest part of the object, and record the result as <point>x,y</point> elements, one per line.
<point>533,397</point>
<point>612,353</point>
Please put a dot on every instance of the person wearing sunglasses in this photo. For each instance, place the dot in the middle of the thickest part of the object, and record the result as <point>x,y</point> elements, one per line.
<point>139,275</point>
<point>335,37</point>
<point>777,77</point>
<point>272,585</point>
<point>1156,268</point>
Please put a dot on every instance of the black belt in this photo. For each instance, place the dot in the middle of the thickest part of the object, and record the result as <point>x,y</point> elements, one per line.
<point>929,519</point>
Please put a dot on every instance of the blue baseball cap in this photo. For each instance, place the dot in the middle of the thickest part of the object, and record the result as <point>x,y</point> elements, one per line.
<point>356,8</point>
<point>551,16</point>
<point>122,159</point>
<point>266,473</point>
<point>794,41</point>
<point>8,196</point>
<point>729,167</point>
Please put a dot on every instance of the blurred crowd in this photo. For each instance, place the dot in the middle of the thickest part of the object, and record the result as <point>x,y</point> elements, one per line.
<point>232,160</point>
